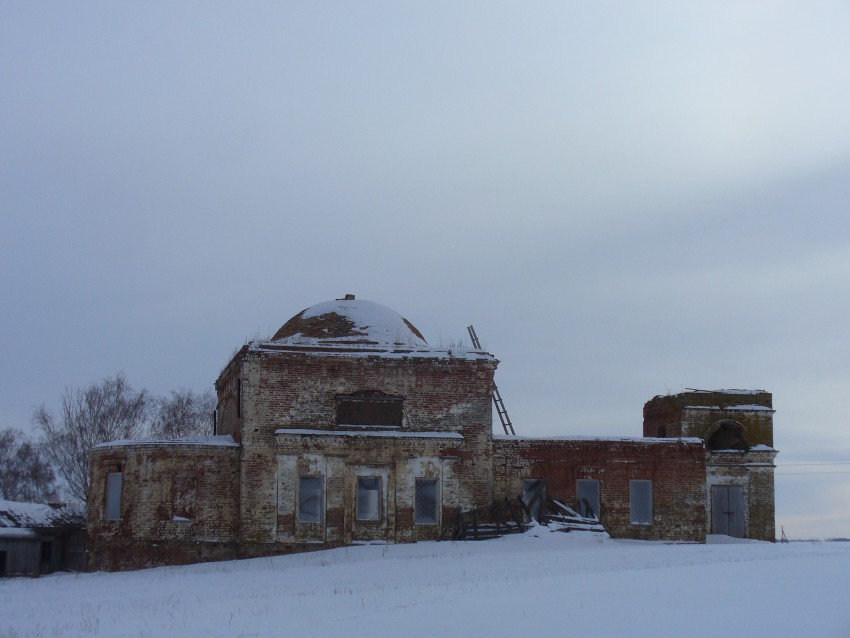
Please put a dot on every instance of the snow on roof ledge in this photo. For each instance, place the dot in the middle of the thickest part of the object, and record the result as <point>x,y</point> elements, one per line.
<point>392,434</point>
<point>743,407</point>
<point>606,439</point>
<point>725,391</point>
<point>19,515</point>
<point>221,440</point>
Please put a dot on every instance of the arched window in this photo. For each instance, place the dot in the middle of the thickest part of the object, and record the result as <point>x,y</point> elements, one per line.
<point>729,435</point>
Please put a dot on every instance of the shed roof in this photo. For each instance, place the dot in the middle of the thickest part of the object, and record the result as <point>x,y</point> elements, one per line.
<point>17,515</point>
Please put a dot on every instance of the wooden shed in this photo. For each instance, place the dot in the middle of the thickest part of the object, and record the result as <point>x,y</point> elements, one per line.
<point>39,539</point>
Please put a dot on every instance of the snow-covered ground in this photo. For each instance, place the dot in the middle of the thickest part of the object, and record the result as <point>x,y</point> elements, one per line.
<point>542,583</point>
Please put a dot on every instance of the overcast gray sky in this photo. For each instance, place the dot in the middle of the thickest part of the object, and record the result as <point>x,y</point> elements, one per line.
<point>626,199</point>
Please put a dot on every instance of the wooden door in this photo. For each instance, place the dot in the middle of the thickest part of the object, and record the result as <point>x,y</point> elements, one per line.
<point>727,510</point>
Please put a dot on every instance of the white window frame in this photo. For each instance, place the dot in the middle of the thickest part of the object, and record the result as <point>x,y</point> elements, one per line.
<point>364,511</point>
<point>640,502</point>
<point>112,506</point>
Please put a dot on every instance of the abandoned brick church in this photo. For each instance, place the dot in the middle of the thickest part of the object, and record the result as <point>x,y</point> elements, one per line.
<point>346,426</point>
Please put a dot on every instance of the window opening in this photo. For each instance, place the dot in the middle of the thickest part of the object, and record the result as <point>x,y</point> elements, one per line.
<point>239,399</point>
<point>728,436</point>
<point>587,495</point>
<point>311,499</point>
<point>641,502</point>
<point>113,496</point>
<point>534,497</point>
<point>425,507</point>
<point>368,498</point>
<point>369,407</point>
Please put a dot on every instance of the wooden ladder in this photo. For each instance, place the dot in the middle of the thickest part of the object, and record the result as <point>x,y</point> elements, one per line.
<point>501,410</point>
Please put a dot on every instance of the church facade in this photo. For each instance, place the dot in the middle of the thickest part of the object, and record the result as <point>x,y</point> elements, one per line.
<point>347,427</point>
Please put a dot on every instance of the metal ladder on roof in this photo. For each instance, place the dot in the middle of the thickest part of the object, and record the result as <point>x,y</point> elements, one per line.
<point>501,410</point>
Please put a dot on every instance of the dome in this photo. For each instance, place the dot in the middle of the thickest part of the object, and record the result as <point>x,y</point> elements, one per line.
<point>350,321</point>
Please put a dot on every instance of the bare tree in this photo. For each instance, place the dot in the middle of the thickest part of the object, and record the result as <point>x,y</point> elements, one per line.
<point>107,411</point>
<point>183,414</point>
<point>25,473</point>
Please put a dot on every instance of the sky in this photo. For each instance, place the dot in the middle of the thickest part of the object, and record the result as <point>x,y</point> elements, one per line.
<point>625,199</point>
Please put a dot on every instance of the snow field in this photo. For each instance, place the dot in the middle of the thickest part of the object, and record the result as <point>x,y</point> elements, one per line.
<point>555,583</point>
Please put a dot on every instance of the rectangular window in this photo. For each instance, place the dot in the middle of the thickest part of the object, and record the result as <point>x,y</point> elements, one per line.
<point>311,499</point>
<point>425,507</point>
<point>113,496</point>
<point>587,494</point>
<point>641,502</point>
<point>369,407</point>
<point>368,498</point>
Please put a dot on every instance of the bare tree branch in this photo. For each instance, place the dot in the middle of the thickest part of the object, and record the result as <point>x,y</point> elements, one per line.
<point>183,414</point>
<point>103,412</point>
<point>25,473</point>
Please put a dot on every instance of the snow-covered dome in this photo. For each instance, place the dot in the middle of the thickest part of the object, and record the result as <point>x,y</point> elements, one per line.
<point>350,321</point>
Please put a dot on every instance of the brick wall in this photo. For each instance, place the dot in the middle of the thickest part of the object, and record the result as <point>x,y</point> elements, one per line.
<point>698,413</point>
<point>754,472</point>
<point>178,505</point>
<point>675,467</point>
<point>298,390</point>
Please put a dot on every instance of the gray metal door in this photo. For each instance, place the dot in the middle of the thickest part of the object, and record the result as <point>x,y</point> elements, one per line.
<point>727,510</point>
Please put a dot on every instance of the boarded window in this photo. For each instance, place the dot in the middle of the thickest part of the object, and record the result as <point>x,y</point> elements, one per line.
<point>369,407</point>
<point>368,498</point>
<point>425,507</point>
<point>311,499</point>
<point>587,495</point>
<point>641,502</point>
<point>113,496</point>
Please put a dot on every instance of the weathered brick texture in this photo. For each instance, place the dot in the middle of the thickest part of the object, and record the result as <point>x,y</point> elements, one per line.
<point>751,467</point>
<point>278,406</point>
<point>675,467</point>
<point>295,390</point>
<point>178,504</point>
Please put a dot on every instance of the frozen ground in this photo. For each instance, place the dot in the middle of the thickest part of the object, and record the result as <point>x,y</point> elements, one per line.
<point>540,583</point>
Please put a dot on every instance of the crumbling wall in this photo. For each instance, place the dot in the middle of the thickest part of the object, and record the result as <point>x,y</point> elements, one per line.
<point>178,504</point>
<point>753,471</point>
<point>699,414</point>
<point>298,390</point>
<point>676,468</point>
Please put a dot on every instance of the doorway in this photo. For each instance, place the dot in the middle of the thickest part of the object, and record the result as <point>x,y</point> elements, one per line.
<point>727,510</point>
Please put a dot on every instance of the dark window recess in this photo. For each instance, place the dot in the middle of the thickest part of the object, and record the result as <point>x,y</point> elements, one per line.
<point>369,407</point>
<point>239,399</point>
<point>46,551</point>
<point>728,436</point>
<point>534,497</point>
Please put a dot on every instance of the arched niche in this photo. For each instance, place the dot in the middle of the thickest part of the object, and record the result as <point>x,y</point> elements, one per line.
<point>726,435</point>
